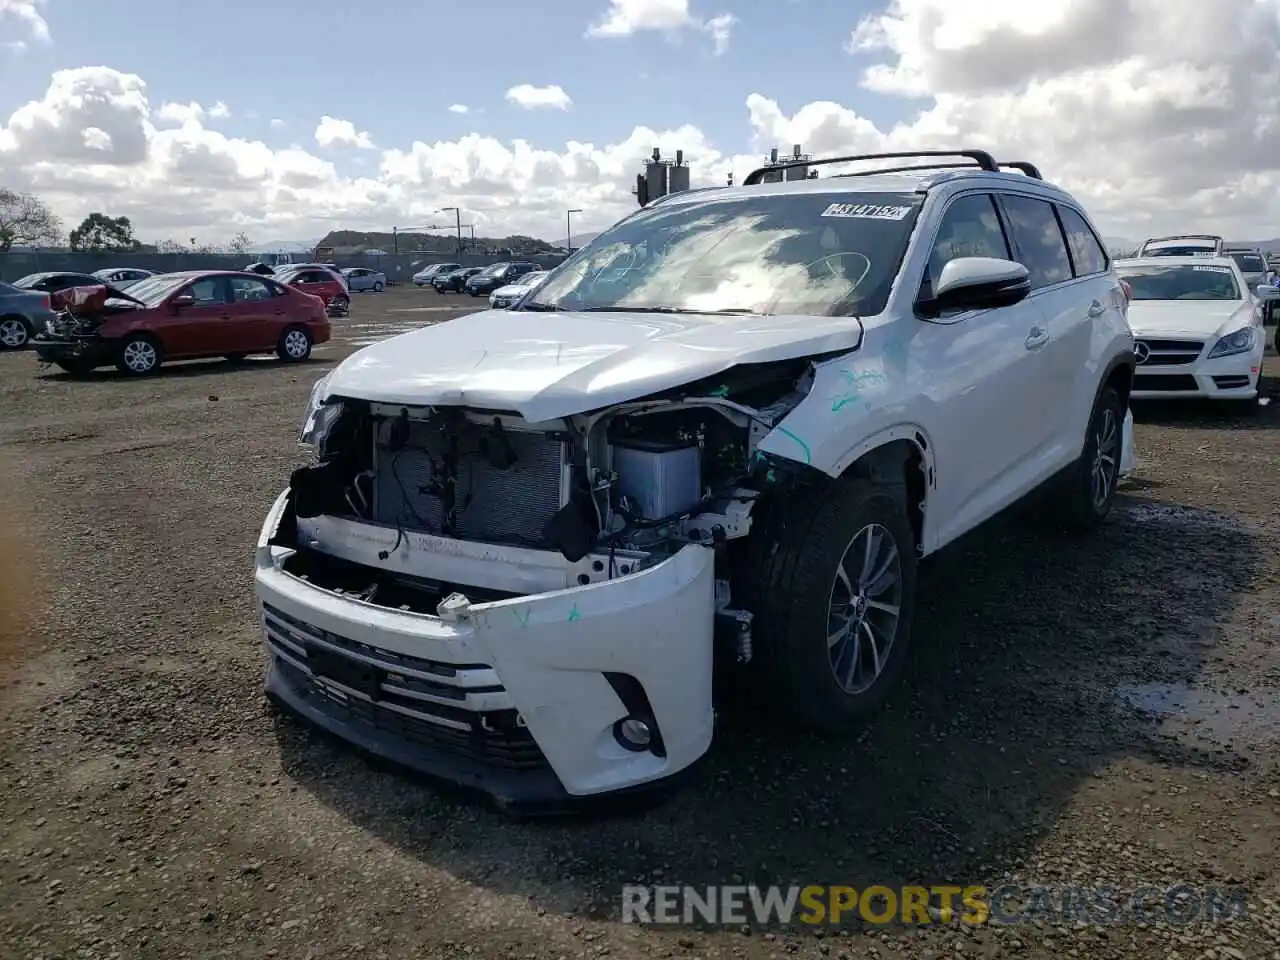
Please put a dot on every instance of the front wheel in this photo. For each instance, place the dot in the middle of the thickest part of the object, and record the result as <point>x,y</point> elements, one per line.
<point>377,286</point>
<point>14,333</point>
<point>295,345</point>
<point>840,597</point>
<point>139,356</point>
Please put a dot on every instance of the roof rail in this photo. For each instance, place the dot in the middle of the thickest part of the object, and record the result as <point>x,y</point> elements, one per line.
<point>1030,169</point>
<point>979,158</point>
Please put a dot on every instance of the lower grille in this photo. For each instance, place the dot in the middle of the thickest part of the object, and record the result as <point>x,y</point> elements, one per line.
<point>1166,382</point>
<point>457,709</point>
<point>498,506</point>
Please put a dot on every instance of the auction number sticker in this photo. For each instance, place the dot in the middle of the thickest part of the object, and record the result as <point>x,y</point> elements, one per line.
<point>1207,269</point>
<point>865,211</point>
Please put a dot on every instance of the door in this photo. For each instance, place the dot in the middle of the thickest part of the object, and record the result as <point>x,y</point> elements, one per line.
<point>1069,309</point>
<point>255,312</point>
<point>983,370</point>
<point>197,330</point>
<point>318,283</point>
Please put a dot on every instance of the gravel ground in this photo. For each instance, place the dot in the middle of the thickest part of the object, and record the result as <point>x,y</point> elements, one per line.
<point>1086,711</point>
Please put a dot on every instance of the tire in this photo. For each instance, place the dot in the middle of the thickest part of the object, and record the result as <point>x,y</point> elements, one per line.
<point>377,287</point>
<point>76,368</point>
<point>138,356</point>
<point>1088,488</point>
<point>341,303</point>
<point>810,569</point>
<point>295,345</point>
<point>15,332</point>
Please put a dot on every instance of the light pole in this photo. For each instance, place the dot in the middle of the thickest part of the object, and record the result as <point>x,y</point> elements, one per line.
<point>457,215</point>
<point>568,227</point>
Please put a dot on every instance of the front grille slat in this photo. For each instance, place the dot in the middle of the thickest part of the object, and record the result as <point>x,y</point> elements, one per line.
<point>467,720</point>
<point>1167,353</point>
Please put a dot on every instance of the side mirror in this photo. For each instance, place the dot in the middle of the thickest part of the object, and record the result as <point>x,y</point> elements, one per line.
<point>182,300</point>
<point>978,283</point>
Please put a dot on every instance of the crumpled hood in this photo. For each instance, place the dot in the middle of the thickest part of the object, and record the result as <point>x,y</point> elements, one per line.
<point>549,365</point>
<point>1199,319</point>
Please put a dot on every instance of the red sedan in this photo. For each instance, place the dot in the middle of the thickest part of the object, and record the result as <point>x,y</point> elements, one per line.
<point>181,316</point>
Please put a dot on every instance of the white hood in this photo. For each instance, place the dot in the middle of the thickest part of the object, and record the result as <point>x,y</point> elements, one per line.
<point>1198,319</point>
<point>549,365</point>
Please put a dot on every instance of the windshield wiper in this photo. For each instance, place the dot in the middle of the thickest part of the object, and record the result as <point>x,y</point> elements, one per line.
<point>540,308</point>
<point>735,312</point>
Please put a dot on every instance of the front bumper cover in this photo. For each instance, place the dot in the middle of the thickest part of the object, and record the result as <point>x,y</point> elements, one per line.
<point>93,350</point>
<point>514,698</point>
<point>1222,378</point>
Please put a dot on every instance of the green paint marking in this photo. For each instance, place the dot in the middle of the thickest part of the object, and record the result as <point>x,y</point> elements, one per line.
<point>523,617</point>
<point>808,454</point>
<point>720,391</point>
<point>574,614</point>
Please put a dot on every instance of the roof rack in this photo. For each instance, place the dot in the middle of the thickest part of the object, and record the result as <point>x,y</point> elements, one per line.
<point>1030,169</point>
<point>978,158</point>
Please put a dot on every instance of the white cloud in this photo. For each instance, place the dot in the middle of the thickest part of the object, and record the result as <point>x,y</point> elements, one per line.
<point>28,13</point>
<point>534,98</point>
<point>331,132</point>
<point>625,17</point>
<point>1161,115</point>
<point>192,112</point>
<point>459,108</point>
<point>277,123</point>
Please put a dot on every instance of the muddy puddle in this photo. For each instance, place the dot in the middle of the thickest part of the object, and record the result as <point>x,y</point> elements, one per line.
<point>1190,712</point>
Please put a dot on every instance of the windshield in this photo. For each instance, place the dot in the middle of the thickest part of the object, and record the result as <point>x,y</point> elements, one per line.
<point>1250,262</point>
<point>151,290</point>
<point>492,270</point>
<point>823,254</point>
<point>1179,250</point>
<point>1181,282</point>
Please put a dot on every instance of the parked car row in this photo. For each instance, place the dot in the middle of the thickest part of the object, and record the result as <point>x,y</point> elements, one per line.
<point>476,281</point>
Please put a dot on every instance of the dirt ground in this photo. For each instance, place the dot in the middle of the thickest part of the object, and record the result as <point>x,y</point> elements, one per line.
<point>1102,710</point>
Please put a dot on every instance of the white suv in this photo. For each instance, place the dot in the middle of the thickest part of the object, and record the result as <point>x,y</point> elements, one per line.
<point>719,437</point>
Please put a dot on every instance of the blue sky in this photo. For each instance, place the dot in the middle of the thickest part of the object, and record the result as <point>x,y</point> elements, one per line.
<point>400,63</point>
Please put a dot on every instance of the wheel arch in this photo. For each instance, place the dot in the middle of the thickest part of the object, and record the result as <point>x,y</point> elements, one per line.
<point>898,456</point>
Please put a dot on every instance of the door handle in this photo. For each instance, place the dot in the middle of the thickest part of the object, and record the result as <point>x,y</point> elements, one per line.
<point>1037,338</point>
<point>1095,310</point>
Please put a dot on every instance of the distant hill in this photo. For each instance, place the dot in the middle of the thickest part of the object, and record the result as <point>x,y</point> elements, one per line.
<point>348,243</point>
<point>579,239</point>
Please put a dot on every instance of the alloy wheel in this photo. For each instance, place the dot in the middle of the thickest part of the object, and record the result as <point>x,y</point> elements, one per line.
<point>865,609</point>
<point>140,356</point>
<point>13,334</point>
<point>1106,461</point>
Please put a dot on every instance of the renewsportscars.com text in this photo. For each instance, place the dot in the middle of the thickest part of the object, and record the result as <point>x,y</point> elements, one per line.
<point>974,904</point>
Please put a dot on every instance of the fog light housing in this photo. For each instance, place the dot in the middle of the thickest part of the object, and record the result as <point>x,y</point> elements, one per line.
<point>633,734</point>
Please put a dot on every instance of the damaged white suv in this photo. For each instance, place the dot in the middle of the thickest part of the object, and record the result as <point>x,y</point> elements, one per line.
<point>717,440</point>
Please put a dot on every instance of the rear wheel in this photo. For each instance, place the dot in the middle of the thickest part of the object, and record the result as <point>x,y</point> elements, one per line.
<point>15,333</point>
<point>377,286</point>
<point>839,586</point>
<point>341,303</point>
<point>295,345</point>
<point>139,356</point>
<point>1089,487</point>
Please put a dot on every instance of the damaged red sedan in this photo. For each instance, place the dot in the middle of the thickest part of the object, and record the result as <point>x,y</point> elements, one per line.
<point>180,316</point>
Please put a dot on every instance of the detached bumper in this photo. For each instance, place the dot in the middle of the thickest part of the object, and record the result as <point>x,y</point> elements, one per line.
<point>518,698</point>
<point>1224,378</point>
<point>87,350</point>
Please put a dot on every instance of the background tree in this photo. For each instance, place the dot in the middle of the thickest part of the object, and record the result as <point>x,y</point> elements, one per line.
<point>171,246</point>
<point>99,232</point>
<point>240,243</point>
<point>24,220</point>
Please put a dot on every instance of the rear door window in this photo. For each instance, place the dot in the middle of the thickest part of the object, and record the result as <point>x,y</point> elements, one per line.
<point>1037,237</point>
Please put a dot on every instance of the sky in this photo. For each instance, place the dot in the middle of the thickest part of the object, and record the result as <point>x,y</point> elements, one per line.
<point>284,119</point>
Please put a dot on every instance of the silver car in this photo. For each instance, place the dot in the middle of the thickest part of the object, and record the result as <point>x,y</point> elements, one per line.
<point>505,297</point>
<point>121,277</point>
<point>361,279</point>
<point>23,314</point>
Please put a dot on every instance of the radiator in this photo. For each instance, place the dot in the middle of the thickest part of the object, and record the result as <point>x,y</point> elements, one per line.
<point>495,506</point>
